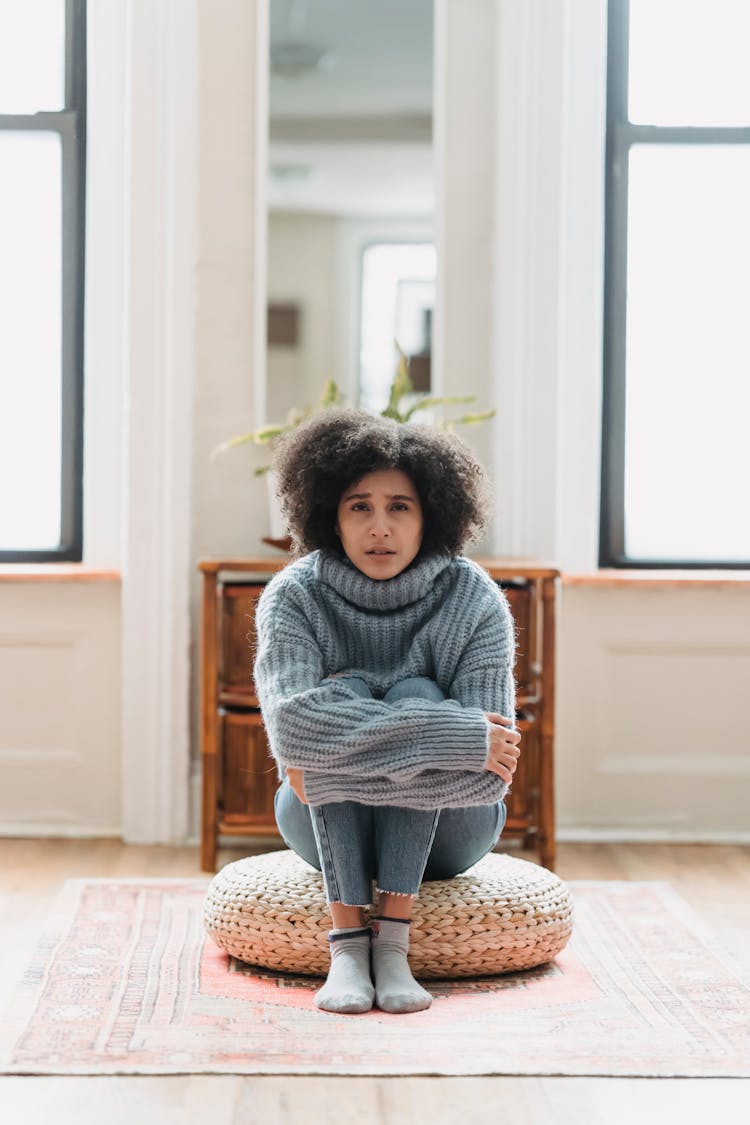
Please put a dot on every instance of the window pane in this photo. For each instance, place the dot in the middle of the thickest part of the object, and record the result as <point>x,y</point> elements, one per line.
<point>689,62</point>
<point>32,55</point>
<point>398,292</point>
<point>30,340</point>
<point>687,454</point>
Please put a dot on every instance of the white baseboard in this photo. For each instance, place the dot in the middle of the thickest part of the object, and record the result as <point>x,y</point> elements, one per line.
<point>242,842</point>
<point>33,829</point>
<point>570,835</point>
<point>650,836</point>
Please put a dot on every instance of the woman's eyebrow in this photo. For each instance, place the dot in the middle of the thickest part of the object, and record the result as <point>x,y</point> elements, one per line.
<point>388,496</point>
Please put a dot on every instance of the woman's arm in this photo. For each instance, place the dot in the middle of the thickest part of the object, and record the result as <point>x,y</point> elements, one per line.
<point>431,789</point>
<point>484,675</point>
<point>415,753</point>
<point>324,726</point>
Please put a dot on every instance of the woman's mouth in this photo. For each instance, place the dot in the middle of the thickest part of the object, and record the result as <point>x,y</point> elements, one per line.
<point>380,551</point>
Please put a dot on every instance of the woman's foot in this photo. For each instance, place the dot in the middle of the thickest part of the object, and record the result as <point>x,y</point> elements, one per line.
<point>348,987</point>
<point>395,988</point>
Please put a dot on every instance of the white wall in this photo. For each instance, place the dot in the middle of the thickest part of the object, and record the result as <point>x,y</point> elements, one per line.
<point>653,737</point>
<point>465,156</point>
<point>59,708</point>
<point>302,271</point>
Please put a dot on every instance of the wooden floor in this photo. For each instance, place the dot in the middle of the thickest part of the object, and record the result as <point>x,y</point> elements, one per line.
<point>714,879</point>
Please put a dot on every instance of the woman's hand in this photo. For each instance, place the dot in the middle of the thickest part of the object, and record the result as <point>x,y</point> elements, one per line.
<point>504,750</point>
<point>297,782</point>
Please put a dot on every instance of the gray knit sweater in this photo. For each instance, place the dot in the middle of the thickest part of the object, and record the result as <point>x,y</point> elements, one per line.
<point>442,617</point>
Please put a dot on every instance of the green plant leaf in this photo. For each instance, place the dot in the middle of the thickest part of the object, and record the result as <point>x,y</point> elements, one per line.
<point>471,419</point>
<point>402,385</point>
<point>445,400</point>
<point>331,394</point>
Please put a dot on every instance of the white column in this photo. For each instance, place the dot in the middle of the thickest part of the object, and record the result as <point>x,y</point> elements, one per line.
<point>549,278</point>
<point>519,229</point>
<point>161,202</point>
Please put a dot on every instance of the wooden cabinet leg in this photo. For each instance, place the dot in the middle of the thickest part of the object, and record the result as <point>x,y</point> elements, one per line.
<point>208,814</point>
<point>209,722</point>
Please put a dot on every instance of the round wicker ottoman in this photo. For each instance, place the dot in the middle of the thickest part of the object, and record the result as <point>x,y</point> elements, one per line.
<point>503,914</point>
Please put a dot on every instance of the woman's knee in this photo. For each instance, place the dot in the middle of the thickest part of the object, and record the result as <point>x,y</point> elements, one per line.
<point>415,687</point>
<point>463,837</point>
<point>355,683</point>
<point>294,824</point>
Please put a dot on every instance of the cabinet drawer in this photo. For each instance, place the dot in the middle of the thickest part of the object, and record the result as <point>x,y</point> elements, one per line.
<point>237,651</point>
<point>248,780</point>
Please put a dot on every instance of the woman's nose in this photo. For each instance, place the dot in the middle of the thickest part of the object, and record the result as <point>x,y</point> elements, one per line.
<point>379,525</point>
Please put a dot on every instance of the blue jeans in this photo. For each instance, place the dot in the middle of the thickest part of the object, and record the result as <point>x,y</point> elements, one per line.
<point>353,844</point>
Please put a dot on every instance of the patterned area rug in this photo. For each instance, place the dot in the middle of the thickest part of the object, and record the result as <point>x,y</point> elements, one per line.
<point>125,982</point>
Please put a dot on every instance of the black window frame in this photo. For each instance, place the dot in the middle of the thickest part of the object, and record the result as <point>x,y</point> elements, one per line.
<point>621,134</point>
<point>70,125</point>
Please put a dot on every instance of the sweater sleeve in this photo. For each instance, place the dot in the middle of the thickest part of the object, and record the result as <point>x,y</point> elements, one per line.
<point>484,674</point>
<point>322,726</point>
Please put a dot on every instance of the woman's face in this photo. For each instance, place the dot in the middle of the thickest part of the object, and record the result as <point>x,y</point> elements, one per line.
<point>380,523</point>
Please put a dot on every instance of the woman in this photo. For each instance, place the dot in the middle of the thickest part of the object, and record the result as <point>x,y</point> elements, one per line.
<point>384,671</point>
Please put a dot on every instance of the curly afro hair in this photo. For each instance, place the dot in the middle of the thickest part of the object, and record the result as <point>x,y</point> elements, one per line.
<point>315,462</point>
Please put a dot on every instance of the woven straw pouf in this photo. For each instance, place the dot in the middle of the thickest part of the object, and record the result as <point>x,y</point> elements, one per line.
<point>501,915</point>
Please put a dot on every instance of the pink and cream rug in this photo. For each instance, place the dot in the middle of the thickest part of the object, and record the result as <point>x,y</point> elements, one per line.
<point>124,981</point>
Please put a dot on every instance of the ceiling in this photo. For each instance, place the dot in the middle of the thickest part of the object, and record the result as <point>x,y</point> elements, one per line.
<point>352,135</point>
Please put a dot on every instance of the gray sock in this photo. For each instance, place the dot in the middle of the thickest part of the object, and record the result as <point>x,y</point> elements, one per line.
<point>395,988</point>
<point>348,987</point>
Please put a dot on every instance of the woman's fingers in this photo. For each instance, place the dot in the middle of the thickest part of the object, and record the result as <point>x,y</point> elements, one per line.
<point>503,720</point>
<point>502,723</point>
<point>504,750</point>
<point>504,766</point>
<point>296,780</point>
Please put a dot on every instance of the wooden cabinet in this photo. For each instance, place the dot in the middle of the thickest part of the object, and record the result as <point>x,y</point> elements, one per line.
<point>239,775</point>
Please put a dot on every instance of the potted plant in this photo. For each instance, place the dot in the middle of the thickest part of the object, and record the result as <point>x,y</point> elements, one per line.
<point>402,406</point>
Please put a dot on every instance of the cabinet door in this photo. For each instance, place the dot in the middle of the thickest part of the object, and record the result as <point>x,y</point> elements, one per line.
<point>522,801</point>
<point>248,777</point>
<point>520,598</point>
<point>237,652</point>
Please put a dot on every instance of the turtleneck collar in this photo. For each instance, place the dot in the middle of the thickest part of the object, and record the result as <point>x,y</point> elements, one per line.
<point>411,585</point>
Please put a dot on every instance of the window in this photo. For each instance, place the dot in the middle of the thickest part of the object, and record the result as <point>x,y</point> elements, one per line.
<point>42,168</point>
<point>676,452</point>
<point>398,296</point>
